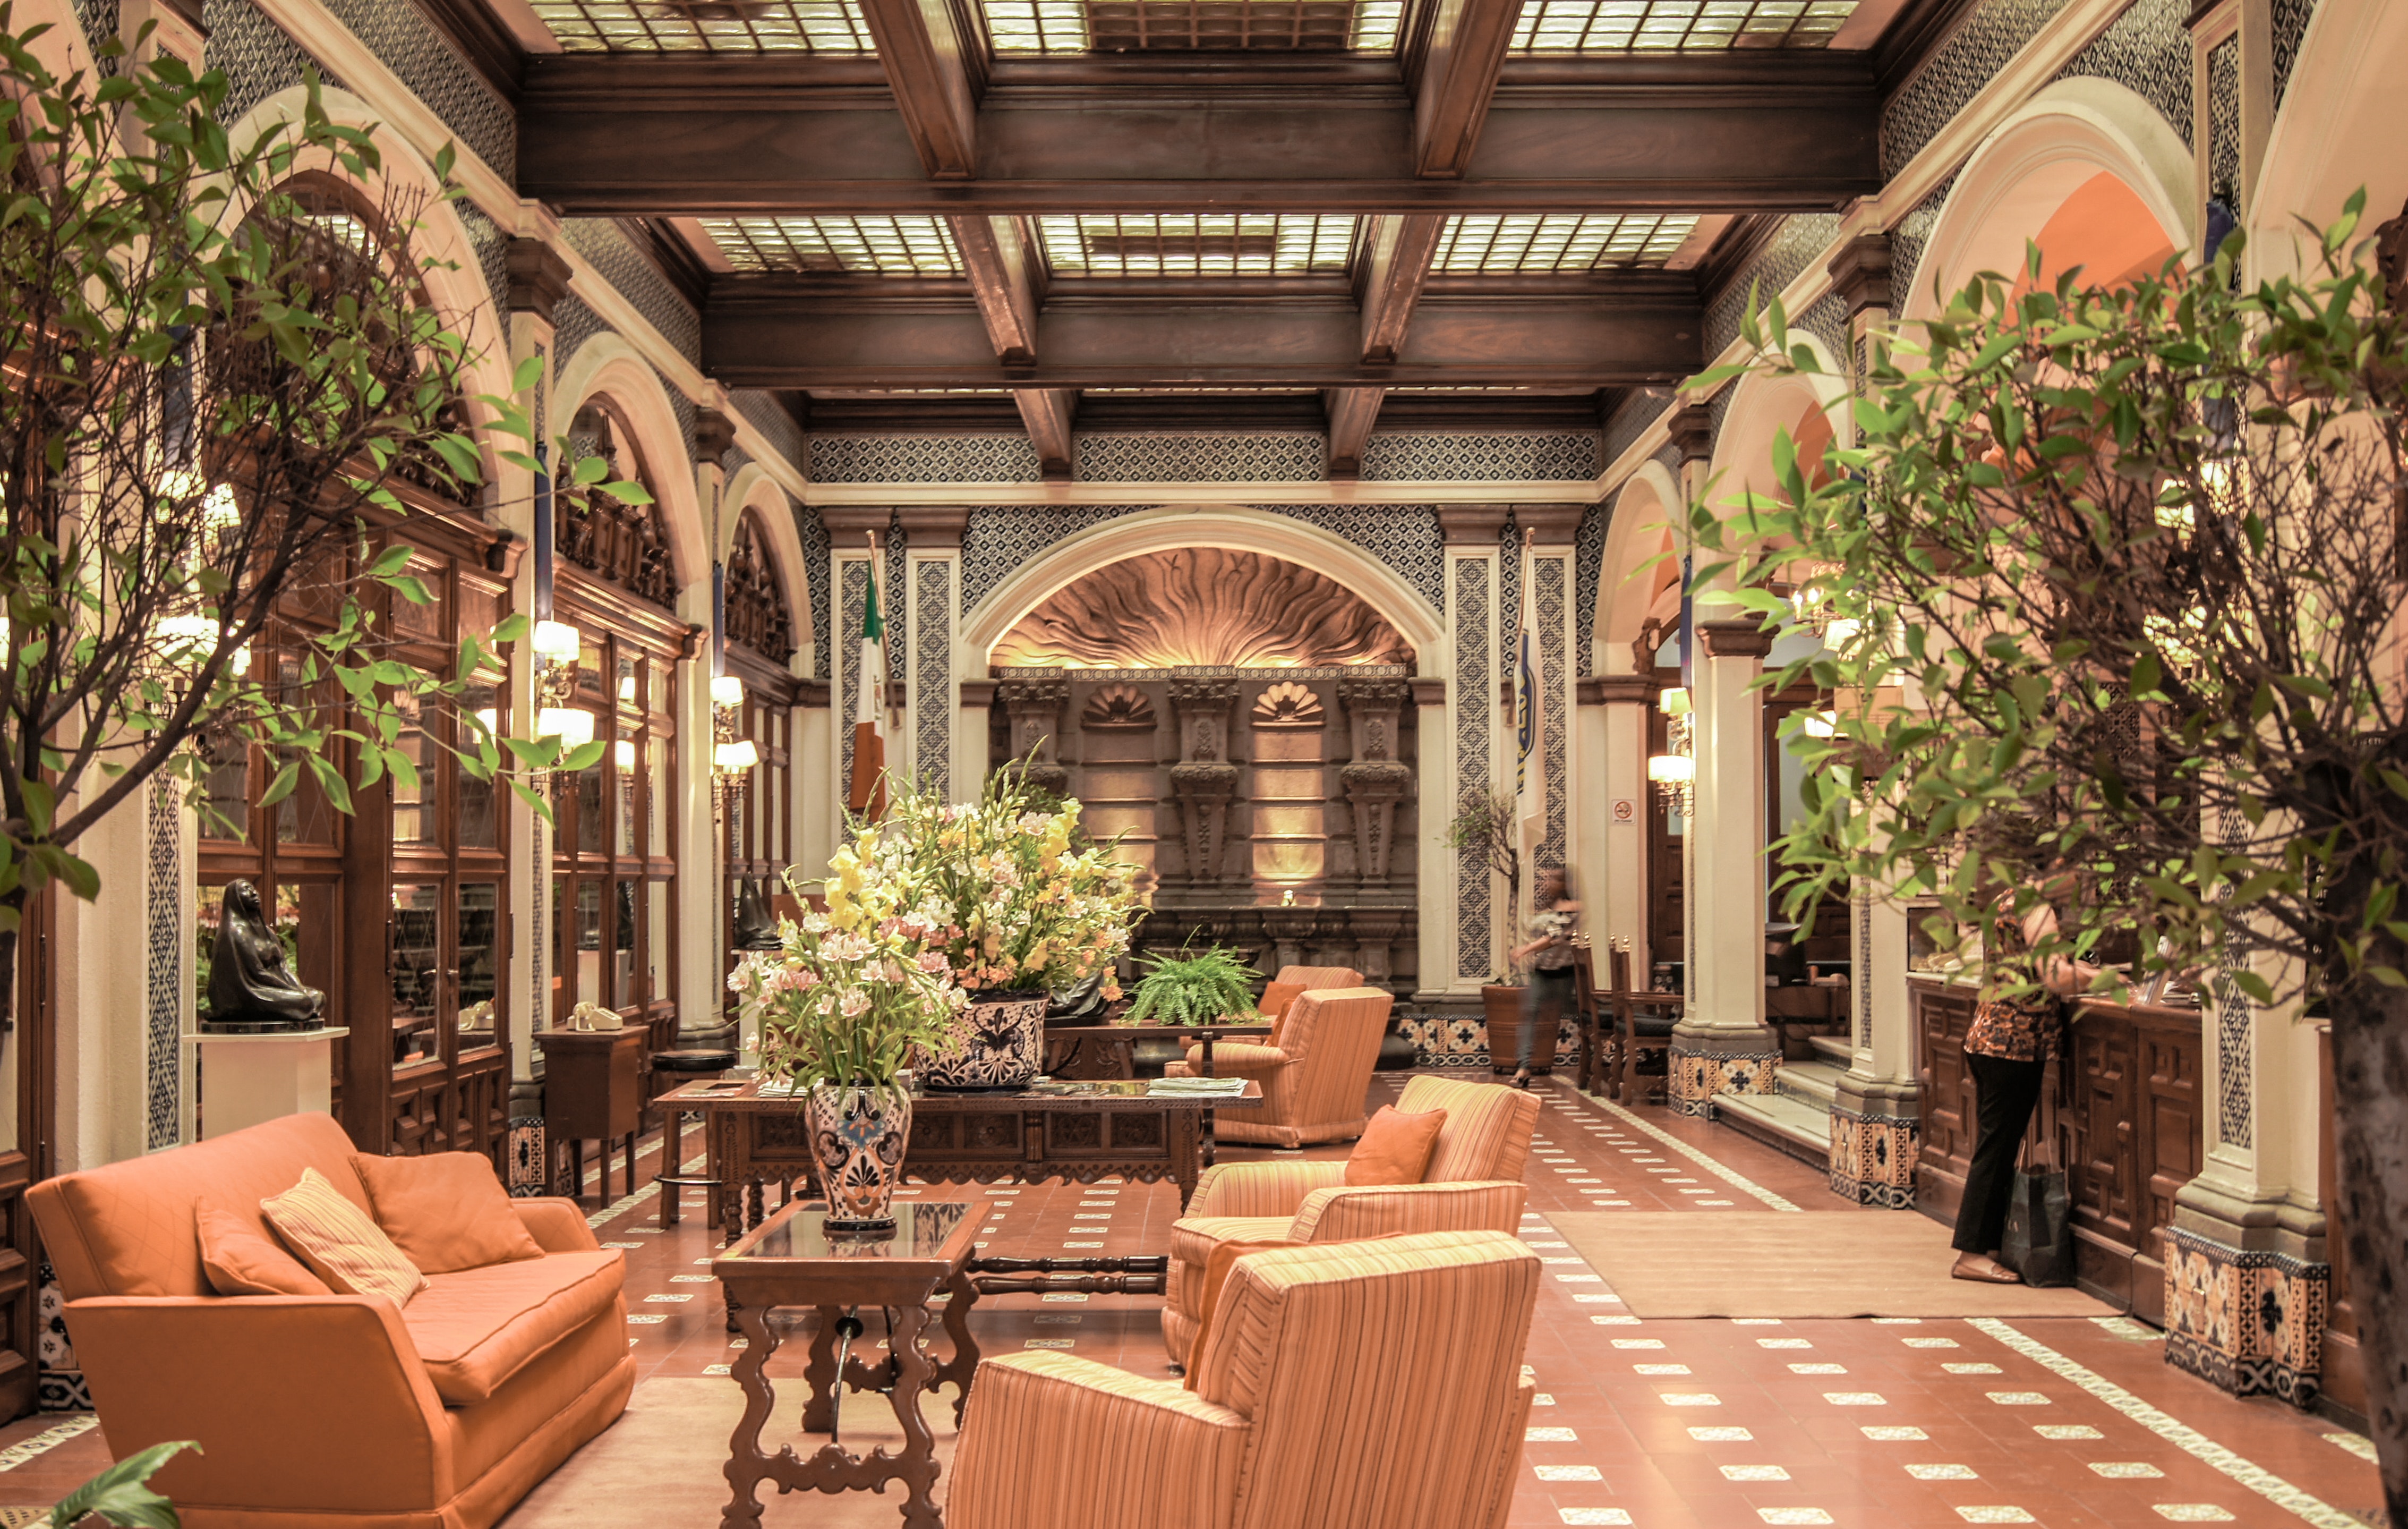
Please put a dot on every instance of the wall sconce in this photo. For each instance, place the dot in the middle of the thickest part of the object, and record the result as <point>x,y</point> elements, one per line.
<point>1674,772</point>
<point>731,756</point>
<point>557,647</point>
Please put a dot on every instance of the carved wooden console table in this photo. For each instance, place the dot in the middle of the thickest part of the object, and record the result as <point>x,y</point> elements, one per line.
<point>1079,1131</point>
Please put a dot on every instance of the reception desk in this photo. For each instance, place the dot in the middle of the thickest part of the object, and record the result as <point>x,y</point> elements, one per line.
<point>2122,1105</point>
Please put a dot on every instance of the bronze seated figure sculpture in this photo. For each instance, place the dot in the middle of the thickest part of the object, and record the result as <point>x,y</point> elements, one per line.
<point>251,990</point>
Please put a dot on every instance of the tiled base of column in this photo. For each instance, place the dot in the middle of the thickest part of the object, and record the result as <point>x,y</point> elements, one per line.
<point>1872,1159</point>
<point>59,1384</point>
<point>1698,1076</point>
<point>526,1158</point>
<point>2250,1323</point>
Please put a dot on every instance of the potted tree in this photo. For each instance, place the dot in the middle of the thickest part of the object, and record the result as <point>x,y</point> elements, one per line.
<point>1484,824</point>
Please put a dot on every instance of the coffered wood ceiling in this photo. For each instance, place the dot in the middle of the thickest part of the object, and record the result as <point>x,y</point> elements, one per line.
<point>906,213</point>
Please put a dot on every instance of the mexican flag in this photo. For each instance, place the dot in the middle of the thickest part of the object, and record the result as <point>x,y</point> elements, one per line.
<point>1530,718</point>
<point>867,795</point>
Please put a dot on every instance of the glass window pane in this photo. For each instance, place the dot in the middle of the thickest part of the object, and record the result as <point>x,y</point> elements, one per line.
<point>481,904</point>
<point>304,816</point>
<point>590,819</point>
<point>663,764</point>
<point>225,787</point>
<point>589,942</point>
<point>417,960</point>
<point>415,804</point>
<point>480,825</point>
<point>656,946</point>
<point>623,943</point>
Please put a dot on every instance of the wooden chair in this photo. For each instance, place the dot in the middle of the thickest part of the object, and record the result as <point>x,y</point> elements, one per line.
<point>1595,1027</point>
<point>1643,1021</point>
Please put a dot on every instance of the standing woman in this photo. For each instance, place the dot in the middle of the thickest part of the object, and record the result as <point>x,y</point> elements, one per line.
<point>2007,1050</point>
<point>1554,918</point>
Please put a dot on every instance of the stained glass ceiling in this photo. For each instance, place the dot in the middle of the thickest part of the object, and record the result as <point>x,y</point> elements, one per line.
<point>1646,26</point>
<point>1056,27</point>
<point>861,246</point>
<point>831,27</point>
<point>1557,243</point>
<point>1207,244</point>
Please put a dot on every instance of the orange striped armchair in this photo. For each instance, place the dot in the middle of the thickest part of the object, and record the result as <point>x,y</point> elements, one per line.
<point>1473,1181</point>
<point>1313,1081</point>
<point>1319,1400</point>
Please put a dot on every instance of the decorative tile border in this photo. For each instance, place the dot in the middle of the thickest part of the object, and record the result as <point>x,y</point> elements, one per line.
<point>2248,1322</point>
<point>1872,1159</point>
<point>44,1442</point>
<point>2320,1514</point>
<point>1698,1076</point>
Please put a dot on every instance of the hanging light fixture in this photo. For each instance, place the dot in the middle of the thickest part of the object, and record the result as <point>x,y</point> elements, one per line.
<point>731,753</point>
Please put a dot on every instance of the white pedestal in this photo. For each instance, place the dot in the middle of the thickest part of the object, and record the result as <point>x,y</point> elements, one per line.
<point>249,1079</point>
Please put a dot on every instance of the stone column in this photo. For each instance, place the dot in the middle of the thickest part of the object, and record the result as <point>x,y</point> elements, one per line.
<point>1434,864</point>
<point>1722,1044</point>
<point>1374,778</point>
<point>1032,711</point>
<point>1615,882</point>
<point>1464,922</point>
<point>1204,781</point>
<point>933,569</point>
<point>537,280</point>
<point>704,1016</point>
<point>1553,528</point>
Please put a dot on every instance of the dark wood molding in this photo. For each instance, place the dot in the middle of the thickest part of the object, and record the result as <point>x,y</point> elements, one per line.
<point>1619,690</point>
<point>1429,691</point>
<point>1742,638</point>
<point>672,255</point>
<point>933,528</point>
<point>849,521</point>
<point>978,693</point>
<point>1692,429</point>
<point>615,137</point>
<point>1047,412</point>
<point>714,436</point>
<point>1553,526</point>
<point>815,695</point>
<point>1352,411</point>
<point>1914,37</point>
<point>757,335</point>
<point>538,277</point>
<point>1475,525</point>
<point>477,35</point>
<point>996,259</point>
<point>1861,273</point>
<point>923,50</point>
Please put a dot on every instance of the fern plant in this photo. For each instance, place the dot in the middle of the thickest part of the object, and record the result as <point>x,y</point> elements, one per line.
<point>1193,990</point>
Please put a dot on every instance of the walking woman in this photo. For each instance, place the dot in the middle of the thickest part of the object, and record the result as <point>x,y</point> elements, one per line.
<point>1554,918</point>
<point>2007,1050</point>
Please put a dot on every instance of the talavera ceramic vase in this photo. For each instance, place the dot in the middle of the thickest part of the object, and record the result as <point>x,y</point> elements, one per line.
<point>857,1132</point>
<point>995,1043</point>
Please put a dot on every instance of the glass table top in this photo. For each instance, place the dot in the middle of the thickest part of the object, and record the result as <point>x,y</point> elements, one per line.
<point>919,1232</point>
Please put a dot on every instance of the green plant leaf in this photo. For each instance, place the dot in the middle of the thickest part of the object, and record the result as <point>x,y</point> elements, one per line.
<point>121,1494</point>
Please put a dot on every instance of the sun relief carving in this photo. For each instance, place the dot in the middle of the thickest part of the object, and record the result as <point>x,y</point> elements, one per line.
<point>1198,606</point>
<point>1288,704</point>
<point>1117,706</point>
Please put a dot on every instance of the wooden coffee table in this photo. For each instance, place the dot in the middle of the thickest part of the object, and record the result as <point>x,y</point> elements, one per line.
<point>791,1259</point>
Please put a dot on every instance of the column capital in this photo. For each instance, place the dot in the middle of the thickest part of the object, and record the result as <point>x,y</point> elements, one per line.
<point>1472,524</point>
<point>976,693</point>
<point>1691,427</point>
<point>538,277</point>
<point>714,436</point>
<point>1740,639</point>
<point>934,528</point>
<point>1618,690</point>
<point>1861,273</point>
<point>1430,692</point>
<point>1551,526</point>
<point>848,521</point>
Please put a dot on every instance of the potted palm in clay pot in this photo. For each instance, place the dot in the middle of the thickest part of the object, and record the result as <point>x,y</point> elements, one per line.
<point>1484,824</point>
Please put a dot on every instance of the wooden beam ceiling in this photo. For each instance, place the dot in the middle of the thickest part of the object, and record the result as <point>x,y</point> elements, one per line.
<point>769,333</point>
<point>673,135</point>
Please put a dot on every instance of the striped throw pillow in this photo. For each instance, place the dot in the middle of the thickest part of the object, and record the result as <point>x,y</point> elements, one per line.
<point>339,1243</point>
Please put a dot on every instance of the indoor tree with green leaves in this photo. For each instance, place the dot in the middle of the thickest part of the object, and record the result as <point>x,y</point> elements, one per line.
<point>225,381</point>
<point>2114,582</point>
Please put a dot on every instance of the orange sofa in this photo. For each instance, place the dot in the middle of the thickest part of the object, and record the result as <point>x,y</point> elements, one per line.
<point>329,1411</point>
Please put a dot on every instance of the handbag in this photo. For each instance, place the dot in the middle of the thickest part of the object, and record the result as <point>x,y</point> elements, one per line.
<point>2039,1241</point>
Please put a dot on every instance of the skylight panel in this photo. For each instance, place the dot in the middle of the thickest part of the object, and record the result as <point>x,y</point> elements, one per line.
<point>1203,244</point>
<point>1655,26</point>
<point>1025,27</point>
<point>832,27</point>
<point>862,246</point>
<point>1558,242</point>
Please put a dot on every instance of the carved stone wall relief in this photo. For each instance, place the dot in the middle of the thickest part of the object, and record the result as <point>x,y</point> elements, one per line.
<point>1290,792</point>
<point>1201,606</point>
<point>1376,780</point>
<point>1118,777</point>
<point>1203,781</point>
<point>1034,708</point>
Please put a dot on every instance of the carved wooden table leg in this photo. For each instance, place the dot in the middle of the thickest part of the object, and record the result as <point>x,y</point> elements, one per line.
<point>1191,1151</point>
<point>747,1466</point>
<point>819,1409</point>
<point>962,1365</point>
<point>916,1466</point>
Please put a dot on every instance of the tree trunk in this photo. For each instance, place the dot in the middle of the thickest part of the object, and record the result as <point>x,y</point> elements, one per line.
<point>2370,1044</point>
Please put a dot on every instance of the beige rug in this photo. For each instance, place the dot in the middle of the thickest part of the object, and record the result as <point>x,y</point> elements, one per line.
<point>662,1464</point>
<point>1862,1263</point>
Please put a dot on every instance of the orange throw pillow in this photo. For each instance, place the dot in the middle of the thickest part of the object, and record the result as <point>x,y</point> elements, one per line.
<point>1216,1275</point>
<point>1395,1147</point>
<point>239,1261</point>
<point>446,1211</point>
<point>1277,996</point>
<point>338,1242</point>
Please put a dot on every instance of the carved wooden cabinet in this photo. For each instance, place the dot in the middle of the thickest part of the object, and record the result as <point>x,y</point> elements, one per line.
<point>2122,1106</point>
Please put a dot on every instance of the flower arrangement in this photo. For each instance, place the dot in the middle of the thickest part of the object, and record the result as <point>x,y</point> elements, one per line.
<point>844,1002</point>
<point>1016,906</point>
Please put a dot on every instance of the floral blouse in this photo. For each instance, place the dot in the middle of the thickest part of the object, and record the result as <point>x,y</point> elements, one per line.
<point>1558,926</point>
<point>2020,1029</point>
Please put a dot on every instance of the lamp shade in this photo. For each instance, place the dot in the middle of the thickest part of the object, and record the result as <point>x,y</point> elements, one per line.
<point>572,724</point>
<point>736,758</point>
<point>1671,769</point>
<point>726,691</point>
<point>1674,700</point>
<point>556,641</point>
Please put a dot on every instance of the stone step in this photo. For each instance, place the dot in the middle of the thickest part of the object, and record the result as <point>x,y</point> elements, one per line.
<point>1811,1083</point>
<point>1839,1050</point>
<point>1791,1125</point>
